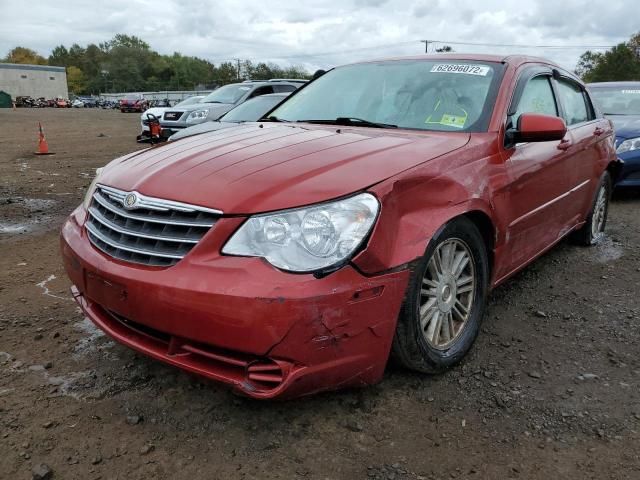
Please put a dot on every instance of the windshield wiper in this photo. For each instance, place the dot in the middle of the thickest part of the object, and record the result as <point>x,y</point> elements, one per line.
<point>351,121</point>
<point>272,118</point>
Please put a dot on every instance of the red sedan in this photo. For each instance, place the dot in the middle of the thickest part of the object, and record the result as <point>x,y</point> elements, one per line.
<point>369,214</point>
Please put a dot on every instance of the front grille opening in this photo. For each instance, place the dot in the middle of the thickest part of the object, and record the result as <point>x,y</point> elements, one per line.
<point>157,233</point>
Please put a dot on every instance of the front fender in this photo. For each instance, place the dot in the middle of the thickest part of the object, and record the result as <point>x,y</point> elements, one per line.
<point>415,205</point>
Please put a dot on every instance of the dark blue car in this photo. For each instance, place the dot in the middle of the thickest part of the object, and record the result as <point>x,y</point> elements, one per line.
<point>620,102</point>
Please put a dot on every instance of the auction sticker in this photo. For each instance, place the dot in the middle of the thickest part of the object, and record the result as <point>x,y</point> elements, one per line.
<point>481,70</point>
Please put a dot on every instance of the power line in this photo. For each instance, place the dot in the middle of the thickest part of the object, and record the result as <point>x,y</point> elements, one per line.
<point>428,43</point>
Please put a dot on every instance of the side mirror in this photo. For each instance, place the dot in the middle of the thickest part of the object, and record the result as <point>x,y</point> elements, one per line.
<point>535,127</point>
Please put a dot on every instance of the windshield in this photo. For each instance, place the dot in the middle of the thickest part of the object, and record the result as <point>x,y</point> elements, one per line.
<point>227,94</point>
<point>189,101</point>
<point>442,95</point>
<point>617,100</point>
<point>252,110</point>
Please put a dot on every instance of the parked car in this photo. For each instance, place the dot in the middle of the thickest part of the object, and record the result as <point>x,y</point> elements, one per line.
<point>370,212</point>
<point>133,102</point>
<point>620,102</point>
<point>220,101</point>
<point>159,111</point>
<point>89,102</point>
<point>250,111</point>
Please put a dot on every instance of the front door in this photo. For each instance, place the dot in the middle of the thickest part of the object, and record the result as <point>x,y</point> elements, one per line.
<point>540,177</point>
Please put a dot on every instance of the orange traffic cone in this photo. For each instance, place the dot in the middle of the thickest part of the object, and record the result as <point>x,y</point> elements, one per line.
<point>43,147</point>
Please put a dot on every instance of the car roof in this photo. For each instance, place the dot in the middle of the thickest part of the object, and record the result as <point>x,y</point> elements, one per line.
<point>259,83</point>
<point>279,94</point>
<point>511,59</point>
<point>614,84</point>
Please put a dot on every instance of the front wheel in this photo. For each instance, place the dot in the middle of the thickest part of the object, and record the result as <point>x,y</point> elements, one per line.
<point>592,231</point>
<point>445,301</point>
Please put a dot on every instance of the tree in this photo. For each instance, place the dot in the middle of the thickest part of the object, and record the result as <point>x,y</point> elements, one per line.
<point>444,49</point>
<point>25,56</point>
<point>620,63</point>
<point>586,64</point>
<point>76,80</point>
<point>59,56</point>
<point>226,72</point>
<point>127,63</point>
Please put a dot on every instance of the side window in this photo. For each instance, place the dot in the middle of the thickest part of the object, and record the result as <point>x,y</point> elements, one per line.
<point>574,102</point>
<point>537,97</point>
<point>261,91</point>
<point>283,88</point>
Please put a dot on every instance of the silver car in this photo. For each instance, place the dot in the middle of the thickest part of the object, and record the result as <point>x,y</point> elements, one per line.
<point>220,101</point>
<point>250,111</point>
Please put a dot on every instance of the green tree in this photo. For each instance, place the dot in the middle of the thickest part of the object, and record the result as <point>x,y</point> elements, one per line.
<point>620,63</point>
<point>59,56</point>
<point>76,80</point>
<point>25,56</point>
<point>227,72</point>
<point>127,63</point>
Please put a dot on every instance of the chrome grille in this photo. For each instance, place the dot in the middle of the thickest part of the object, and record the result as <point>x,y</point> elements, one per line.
<point>135,228</point>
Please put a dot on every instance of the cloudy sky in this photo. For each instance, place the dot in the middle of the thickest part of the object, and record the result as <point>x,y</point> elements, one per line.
<point>323,33</point>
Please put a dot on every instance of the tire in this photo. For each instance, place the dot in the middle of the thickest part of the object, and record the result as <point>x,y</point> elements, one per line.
<point>411,346</point>
<point>592,232</point>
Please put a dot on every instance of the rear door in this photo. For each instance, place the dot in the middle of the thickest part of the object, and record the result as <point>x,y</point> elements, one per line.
<point>589,136</point>
<point>539,173</point>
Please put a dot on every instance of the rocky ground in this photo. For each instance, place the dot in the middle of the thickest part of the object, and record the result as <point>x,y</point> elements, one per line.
<point>551,389</point>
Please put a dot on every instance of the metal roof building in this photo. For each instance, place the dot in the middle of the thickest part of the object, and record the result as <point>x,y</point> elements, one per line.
<point>33,80</point>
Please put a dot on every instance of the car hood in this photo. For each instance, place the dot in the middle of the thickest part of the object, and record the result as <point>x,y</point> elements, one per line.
<point>202,128</point>
<point>626,126</point>
<point>263,167</point>
<point>157,111</point>
<point>215,109</point>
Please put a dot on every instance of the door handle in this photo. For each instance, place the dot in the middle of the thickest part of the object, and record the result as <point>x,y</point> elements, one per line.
<point>564,144</point>
<point>598,131</point>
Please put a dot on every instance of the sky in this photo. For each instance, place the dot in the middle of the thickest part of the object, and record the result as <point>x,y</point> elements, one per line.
<point>321,34</point>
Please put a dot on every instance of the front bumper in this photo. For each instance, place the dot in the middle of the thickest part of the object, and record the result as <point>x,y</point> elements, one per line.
<point>630,173</point>
<point>238,320</point>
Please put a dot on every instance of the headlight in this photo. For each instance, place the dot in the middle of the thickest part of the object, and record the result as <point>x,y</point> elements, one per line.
<point>197,116</point>
<point>92,188</point>
<point>629,145</point>
<point>307,239</point>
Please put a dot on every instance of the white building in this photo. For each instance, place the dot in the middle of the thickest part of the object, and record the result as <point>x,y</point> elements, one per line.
<point>33,80</point>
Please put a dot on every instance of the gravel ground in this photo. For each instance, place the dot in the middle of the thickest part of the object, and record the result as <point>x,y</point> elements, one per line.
<point>551,389</point>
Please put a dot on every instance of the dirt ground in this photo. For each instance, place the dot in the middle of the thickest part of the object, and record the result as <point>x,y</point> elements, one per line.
<point>550,391</point>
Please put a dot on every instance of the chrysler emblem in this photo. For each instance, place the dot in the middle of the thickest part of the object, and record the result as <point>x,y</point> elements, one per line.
<point>130,201</point>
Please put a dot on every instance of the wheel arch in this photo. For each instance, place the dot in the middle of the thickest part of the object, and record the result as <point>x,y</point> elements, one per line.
<point>488,231</point>
<point>615,169</point>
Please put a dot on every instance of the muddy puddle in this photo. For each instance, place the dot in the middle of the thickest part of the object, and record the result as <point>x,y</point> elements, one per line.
<point>608,250</point>
<point>19,215</point>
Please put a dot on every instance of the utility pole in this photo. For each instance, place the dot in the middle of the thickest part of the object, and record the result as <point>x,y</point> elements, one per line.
<point>426,45</point>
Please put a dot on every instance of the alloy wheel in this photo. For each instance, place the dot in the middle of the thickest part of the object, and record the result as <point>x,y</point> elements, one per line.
<point>447,293</point>
<point>599,214</point>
